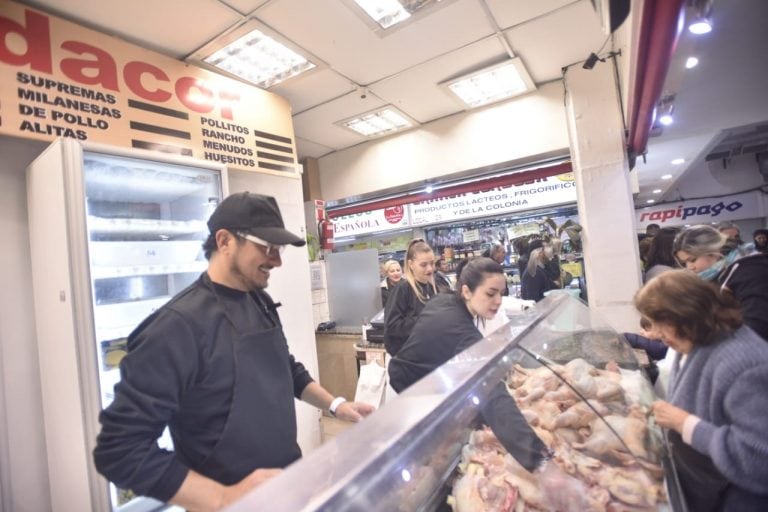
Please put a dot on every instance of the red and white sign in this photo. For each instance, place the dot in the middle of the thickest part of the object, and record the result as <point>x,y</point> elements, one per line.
<point>543,192</point>
<point>63,80</point>
<point>702,211</point>
<point>384,219</point>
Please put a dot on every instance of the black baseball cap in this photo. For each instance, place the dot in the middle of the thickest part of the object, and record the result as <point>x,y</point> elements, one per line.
<point>255,214</point>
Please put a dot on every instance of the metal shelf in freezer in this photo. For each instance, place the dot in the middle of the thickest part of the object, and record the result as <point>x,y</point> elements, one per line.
<point>148,227</point>
<point>147,270</point>
<point>122,253</point>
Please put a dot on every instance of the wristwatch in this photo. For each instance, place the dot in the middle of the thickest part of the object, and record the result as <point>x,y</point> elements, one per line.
<point>335,405</point>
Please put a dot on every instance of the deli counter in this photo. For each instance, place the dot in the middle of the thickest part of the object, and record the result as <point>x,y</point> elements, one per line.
<point>575,380</point>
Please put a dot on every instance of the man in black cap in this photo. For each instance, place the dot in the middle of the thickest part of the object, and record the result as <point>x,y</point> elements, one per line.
<point>213,366</point>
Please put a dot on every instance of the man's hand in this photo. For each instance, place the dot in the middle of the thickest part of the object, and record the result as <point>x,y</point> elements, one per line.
<point>353,411</point>
<point>199,493</point>
<point>669,416</point>
<point>234,492</point>
<point>561,491</point>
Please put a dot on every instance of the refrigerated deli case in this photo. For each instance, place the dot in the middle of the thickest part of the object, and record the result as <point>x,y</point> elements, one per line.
<point>576,381</point>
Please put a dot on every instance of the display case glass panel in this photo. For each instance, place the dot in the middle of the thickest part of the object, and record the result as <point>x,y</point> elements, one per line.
<point>576,381</point>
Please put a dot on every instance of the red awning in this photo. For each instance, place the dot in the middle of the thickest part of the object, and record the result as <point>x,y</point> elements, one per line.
<point>659,30</point>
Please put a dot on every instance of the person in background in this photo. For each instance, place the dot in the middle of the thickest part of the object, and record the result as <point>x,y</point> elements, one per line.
<point>447,326</point>
<point>644,242</point>
<point>760,238</point>
<point>442,282</point>
<point>646,340</point>
<point>213,366</point>
<point>522,250</point>
<point>652,230</point>
<point>392,274</point>
<point>737,269</point>
<point>498,253</point>
<point>660,257</point>
<point>730,230</point>
<point>536,280</point>
<point>407,298</point>
<point>715,410</point>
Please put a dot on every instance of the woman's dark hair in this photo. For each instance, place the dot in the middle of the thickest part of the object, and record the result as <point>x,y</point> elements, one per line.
<point>693,307</point>
<point>473,274</point>
<point>460,267</point>
<point>660,252</point>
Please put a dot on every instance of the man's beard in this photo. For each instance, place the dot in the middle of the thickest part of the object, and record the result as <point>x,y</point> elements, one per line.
<point>250,283</point>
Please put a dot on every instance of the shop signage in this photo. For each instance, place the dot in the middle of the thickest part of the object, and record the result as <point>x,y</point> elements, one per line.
<point>472,235</point>
<point>58,79</point>
<point>383,219</point>
<point>703,211</point>
<point>539,193</point>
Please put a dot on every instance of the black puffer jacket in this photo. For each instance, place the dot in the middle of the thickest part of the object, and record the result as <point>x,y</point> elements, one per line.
<point>401,311</point>
<point>445,328</point>
<point>747,279</point>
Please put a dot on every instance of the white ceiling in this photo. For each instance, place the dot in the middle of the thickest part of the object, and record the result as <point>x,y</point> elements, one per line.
<point>404,66</point>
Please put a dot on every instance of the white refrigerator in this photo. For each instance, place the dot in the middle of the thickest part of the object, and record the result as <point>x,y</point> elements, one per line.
<point>114,234</point>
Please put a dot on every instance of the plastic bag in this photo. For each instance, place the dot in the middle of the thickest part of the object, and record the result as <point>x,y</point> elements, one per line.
<point>371,384</point>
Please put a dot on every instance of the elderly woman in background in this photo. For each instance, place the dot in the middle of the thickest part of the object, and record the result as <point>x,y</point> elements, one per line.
<point>392,274</point>
<point>717,408</point>
<point>738,270</point>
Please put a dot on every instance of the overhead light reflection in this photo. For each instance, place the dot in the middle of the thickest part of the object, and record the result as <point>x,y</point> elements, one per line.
<point>700,26</point>
<point>691,62</point>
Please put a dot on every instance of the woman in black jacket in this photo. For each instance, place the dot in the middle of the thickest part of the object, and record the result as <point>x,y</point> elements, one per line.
<point>447,326</point>
<point>536,280</point>
<point>407,298</point>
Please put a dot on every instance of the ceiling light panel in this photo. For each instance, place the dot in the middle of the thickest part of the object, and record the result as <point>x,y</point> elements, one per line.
<point>259,59</point>
<point>379,122</point>
<point>489,85</point>
<point>388,13</point>
<point>384,12</point>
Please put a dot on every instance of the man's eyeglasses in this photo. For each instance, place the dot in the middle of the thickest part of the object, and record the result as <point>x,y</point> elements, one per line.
<point>271,249</point>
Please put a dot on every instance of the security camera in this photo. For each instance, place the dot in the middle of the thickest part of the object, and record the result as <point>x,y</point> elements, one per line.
<point>363,94</point>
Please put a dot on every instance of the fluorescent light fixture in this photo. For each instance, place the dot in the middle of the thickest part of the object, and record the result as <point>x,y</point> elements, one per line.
<point>259,59</point>
<point>700,26</point>
<point>379,122</point>
<point>384,12</point>
<point>495,83</point>
<point>691,62</point>
<point>650,201</point>
<point>667,177</point>
<point>678,161</point>
<point>657,191</point>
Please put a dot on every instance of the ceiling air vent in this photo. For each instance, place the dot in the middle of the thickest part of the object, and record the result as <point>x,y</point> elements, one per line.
<point>744,140</point>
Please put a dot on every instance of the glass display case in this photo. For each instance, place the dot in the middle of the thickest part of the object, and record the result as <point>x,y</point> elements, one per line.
<point>575,380</point>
